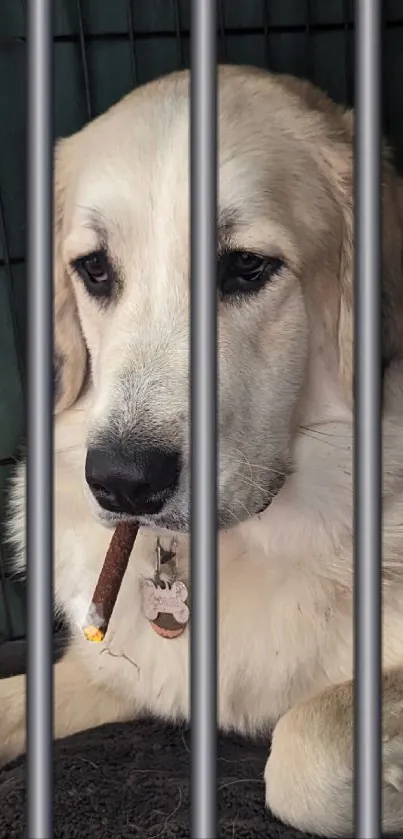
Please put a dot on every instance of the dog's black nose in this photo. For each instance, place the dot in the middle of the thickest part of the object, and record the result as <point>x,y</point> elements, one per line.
<point>139,484</point>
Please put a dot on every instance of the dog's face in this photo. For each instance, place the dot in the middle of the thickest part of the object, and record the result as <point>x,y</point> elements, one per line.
<point>122,246</point>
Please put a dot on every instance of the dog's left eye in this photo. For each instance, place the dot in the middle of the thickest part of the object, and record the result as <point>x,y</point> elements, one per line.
<point>96,273</point>
<point>240,272</point>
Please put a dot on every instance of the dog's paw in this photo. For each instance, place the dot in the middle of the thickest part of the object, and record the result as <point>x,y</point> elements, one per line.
<point>308,780</point>
<point>309,775</point>
<point>393,781</point>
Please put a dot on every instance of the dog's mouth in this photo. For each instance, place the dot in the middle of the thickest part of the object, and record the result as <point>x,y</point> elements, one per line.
<point>173,521</point>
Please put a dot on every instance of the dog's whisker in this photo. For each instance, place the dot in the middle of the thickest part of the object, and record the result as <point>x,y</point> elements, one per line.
<point>244,507</point>
<point>314,435</point>
<point>249,481</point>
<point>315,427</point>
<point>244,459</point>
<point>232,514</point>
<point>256,466</point>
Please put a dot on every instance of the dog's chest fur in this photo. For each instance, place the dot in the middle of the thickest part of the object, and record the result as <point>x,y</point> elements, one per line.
<point>273,631</point>
<point>285,590</point>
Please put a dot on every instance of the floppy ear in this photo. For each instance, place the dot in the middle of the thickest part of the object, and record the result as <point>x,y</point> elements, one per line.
<point>338,155</point>
<point>70,354</point>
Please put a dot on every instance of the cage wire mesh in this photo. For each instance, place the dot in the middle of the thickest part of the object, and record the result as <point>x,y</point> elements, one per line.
<point>102,50</point>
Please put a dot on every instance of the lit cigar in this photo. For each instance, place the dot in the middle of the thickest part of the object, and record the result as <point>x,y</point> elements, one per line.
<point>110,581</point>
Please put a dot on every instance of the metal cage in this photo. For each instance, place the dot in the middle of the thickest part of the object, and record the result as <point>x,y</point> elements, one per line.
<point>134,24</point>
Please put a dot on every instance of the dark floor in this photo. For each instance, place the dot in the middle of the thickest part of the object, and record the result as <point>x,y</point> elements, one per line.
<point>132,780</point>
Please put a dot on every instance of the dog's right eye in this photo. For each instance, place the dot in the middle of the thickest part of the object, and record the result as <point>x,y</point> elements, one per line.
<point>96,273</point>
<point>245,272</point>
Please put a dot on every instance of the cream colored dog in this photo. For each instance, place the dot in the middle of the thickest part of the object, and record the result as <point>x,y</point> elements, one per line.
<point>285,268</point>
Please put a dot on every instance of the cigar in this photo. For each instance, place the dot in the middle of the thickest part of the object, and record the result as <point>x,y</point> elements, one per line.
<point>109,581</point>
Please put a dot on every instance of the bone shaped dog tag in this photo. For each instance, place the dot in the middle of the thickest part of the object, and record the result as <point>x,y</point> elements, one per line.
<point>164,605</point>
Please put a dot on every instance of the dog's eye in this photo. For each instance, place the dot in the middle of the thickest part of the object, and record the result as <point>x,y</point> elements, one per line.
<point>241,272</point>
<point>96,273</point>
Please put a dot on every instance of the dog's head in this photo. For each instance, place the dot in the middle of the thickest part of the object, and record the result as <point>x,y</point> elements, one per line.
<point>285,287</point>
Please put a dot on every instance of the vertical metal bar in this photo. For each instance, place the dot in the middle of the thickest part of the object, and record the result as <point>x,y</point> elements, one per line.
<point>203,152</point>
<point>386,114</point>
<point>223,35</point>
<point>40,421</point>
<point>10,292</point>
<point>6,263</point>
<point>309,51</point>
<point>348,61</point>
<point>368,462</point>
<point>84,62</point>
<point>132,39</point>
<point>266,32</point>
<point>178,33</point>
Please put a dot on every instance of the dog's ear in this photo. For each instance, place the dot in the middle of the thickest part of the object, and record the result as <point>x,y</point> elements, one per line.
<point>339,158</point>
<point>70,354</point>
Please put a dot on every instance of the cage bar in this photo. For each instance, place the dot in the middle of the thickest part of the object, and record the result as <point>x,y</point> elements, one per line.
<point>203,399</point>
<point>348,61</point>
<point>178,33</point>
<point>40,422</point>
<point>368,391</point>
<point>84,62</point>
<point>222,30</point>
<point>132,39</point>
<point>266,33</point>
<point>309,66</point>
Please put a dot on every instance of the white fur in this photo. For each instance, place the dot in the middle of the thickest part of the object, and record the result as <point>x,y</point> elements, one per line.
<point>286,575</point>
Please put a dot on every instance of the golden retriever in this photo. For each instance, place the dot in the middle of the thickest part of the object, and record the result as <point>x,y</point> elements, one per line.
<point>285,288</point>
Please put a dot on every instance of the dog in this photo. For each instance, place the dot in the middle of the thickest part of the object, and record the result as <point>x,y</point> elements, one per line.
<point>285,428</point>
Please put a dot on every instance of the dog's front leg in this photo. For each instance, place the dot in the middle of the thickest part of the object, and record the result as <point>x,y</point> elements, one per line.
<point>309,774</point>
<point>80,703</point>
